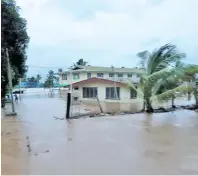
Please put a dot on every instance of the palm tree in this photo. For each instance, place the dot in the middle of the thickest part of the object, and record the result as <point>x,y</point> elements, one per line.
<point>60,70</point>
<point>158,66</point>
<point>79,63</point>
<point>38,77</point>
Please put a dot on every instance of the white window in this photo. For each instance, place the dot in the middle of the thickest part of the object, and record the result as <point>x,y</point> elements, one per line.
<point>129,75</point>
<point>112,93</point>
<point>100,75</point>
<point>120,75</point>
<point>64,76</point>
<point>90,92</point>
<point>111,75</point>
<point>88,75</point>
<point>76,76</point>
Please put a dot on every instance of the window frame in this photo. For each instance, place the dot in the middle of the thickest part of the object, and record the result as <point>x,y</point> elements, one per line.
<point>64,76</point>
<point>133,94</point>
<point>111,75</point>
<point>88,77</point>
<point>90,92</point>
<point>120,74</point>
<point>110,93</point>
<point>131,75</point>
<point>76,74</point>
<point>100,76</point>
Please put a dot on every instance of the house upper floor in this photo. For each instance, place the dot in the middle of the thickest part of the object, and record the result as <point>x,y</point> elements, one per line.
<point>112,73</point>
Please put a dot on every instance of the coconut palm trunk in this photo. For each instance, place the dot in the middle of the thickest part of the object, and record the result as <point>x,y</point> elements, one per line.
<point>147,95</point>
<point>173,101</point>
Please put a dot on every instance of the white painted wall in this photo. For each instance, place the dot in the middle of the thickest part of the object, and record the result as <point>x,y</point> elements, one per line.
<point>83,76</point>
<point>124,93</point>
<point>70,79</point>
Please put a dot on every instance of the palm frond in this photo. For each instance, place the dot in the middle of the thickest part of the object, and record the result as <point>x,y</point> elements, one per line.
<point>164,74</point>
<point>163,57</point>
<point>138,88</point>
<point>191,69</point>
<point>170,82</point>
<point>167,95</point>
<point>157,57</point>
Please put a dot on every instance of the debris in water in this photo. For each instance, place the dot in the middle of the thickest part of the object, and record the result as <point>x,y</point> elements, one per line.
<point>58,118</point>
<point>28,144</point>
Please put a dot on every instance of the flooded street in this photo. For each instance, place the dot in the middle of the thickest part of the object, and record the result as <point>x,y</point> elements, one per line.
<point>36,143</point>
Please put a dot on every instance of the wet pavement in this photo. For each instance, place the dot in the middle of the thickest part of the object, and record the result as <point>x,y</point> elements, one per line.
<point>36,143</point>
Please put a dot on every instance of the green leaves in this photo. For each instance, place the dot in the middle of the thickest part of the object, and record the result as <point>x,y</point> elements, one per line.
<point>14,37</point>
<point>164,73</point>
<point>165,96</point>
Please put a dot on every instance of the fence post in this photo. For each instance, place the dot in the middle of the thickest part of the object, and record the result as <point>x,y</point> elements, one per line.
<point>68,105</point>
<point>99,104</point>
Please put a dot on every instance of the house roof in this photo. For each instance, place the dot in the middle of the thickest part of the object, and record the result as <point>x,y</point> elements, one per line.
<point>98,80</point>
<point>106,69</point>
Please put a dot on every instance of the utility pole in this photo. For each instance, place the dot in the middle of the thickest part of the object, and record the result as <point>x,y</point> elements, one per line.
<point>115,87</point>
<point>13,113</point>
<point>20,88</point>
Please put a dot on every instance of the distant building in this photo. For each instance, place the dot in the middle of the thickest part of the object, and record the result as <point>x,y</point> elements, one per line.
<point>27,84</point>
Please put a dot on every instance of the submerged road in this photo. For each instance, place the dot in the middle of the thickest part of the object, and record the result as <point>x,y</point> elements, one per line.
<point>37,143</point>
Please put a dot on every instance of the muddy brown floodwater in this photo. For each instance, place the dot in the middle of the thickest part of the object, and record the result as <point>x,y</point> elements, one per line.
<point>37,143</point>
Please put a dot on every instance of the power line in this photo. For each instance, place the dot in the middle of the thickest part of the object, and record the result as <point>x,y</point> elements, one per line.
<point>44,66</point>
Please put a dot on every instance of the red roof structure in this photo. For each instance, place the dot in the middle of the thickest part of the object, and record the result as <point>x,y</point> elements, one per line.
<point>97,80</point>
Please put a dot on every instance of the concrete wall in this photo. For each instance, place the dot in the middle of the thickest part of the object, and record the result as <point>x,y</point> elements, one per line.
<point>124,93</point>
<point>82,76</point>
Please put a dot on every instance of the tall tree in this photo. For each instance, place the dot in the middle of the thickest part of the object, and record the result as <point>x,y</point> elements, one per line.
<point>49,82</point>
<point>32,79</point>
<point>38,77</point>
<point>14,37</point>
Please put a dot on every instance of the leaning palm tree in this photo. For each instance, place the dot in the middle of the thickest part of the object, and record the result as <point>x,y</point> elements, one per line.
<point>158,66</point>
<point>187,84</point>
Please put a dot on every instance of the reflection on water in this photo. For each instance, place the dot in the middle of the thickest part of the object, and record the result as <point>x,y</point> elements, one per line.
<point>165,143</point>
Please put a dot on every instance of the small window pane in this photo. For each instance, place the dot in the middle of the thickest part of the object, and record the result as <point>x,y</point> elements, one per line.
<point>100,75</point>
<point>133,94</point>
<point>90,92</point>
<point>129,75</point>
<point>111,93</point>
<point>111,75</point>
<point>88,75</point>
<point>76,76</point>
<point>120,75</point>
<point>64,77</point>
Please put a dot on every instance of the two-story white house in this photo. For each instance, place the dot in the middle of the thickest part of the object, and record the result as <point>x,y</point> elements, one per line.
<point>106,83</point>
<point>110,73</point>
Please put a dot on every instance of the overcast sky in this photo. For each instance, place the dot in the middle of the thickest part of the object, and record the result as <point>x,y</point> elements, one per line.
<point>106,32</point>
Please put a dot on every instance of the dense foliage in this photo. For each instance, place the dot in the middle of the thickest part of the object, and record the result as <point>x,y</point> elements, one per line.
<point>78,64</point>
<point>14,37</point>
<point>163,77</point>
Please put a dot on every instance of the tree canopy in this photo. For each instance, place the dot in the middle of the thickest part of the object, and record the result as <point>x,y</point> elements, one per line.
<point>79,63</point>
<point>162,68</point>
<point>14,37</point>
